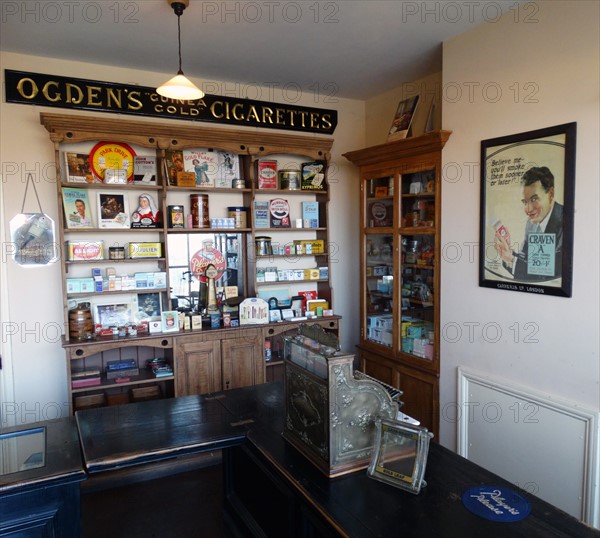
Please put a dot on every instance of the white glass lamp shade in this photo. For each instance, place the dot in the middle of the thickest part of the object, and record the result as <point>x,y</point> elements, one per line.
<point>180,87</point>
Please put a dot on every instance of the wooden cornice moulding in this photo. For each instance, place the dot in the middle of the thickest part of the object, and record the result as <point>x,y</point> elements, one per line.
<point>399,149</point>
<point>76,128</point>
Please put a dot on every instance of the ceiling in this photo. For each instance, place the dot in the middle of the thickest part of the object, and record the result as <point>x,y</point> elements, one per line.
<point>336,49</point>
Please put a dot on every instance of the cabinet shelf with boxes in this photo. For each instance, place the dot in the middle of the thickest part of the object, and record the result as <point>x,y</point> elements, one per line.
<point>123,191</point>
<point>290,225</point>
<point>115,371</point>
<point>400,271</point>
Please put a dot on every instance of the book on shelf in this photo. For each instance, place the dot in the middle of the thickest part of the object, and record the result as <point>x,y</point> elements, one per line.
<point>78,213</point>
<point>310,214</point>
<point>261,214</point>
<point>204,164</point>
<point>122,364</point>
<point>122,372</point>
<point>85,372</point>
<point>82,382</point>
<point>144,169</point>
<point>77,167</point>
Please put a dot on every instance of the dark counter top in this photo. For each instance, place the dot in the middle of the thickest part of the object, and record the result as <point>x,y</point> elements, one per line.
<point>61,459</point>
<point>251,420</point>
<point>359,506</point>
<point>125,435</point>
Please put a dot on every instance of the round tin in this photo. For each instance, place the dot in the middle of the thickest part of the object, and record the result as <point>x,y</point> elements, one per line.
<point>239,214</point>
<point>199,210</point>
<point>262,244</point>
<point>289,180</point>
<point>238,184</point>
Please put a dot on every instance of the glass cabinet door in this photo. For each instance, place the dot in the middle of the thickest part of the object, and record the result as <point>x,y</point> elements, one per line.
<point>379,210</point>
<point>379,259</point>
<point>418,279</point>
<point>379,276</point>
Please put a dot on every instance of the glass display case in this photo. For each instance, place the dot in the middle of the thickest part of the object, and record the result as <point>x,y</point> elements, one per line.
<point>400,277</point>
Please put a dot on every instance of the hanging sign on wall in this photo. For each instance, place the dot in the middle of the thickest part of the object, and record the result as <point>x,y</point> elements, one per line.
<point>82,94</point>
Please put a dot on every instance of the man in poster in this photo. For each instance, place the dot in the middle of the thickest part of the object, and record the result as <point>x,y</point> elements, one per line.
<point>540,255</point>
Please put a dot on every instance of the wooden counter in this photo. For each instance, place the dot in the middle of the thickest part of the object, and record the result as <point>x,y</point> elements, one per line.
<point>296,499</point>
<point>270,488</point>
<point>43,500</point>
<point>132,434</point>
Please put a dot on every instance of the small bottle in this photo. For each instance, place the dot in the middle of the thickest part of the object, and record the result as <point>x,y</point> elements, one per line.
<point>267,350</point>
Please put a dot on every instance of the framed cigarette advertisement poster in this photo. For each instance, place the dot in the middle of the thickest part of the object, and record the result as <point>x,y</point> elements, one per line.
<point>527,206</point>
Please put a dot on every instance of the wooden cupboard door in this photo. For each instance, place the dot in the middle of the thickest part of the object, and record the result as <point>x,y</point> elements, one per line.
<point>379,368</point>
<point>420,397</point>
<point>243,362</point>
<point>198,367</point>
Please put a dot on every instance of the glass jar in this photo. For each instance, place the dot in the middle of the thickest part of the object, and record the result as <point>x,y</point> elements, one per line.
<point>412,249</point>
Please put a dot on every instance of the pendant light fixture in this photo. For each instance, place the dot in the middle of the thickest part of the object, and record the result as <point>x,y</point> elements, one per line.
<point>180,87</point>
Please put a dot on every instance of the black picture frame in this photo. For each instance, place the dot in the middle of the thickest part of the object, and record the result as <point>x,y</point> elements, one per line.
<point>528,179</point>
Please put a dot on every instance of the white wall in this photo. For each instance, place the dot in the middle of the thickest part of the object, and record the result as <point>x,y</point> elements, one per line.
<point>544,59</point>
<point>547,345</point>
<point>381,109</point>
<point>558,56</point>
<point>33,326</point>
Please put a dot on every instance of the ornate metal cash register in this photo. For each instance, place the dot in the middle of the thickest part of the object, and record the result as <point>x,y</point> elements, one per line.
<point>329,409</point>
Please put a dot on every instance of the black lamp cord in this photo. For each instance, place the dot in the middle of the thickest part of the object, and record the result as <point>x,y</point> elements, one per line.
<point>178,8</point>
<point>180,72</point>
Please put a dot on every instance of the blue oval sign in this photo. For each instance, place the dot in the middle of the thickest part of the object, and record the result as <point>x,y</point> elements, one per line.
<point>496,503</point>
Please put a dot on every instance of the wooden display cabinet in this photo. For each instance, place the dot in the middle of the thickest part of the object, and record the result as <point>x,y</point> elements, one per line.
<point>400,191</point>
<point>204,360</point>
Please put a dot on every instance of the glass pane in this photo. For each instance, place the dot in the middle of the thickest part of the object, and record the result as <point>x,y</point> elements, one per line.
<point>22,450</point>
<point>189,254</point>
<point>418,199</point>
<point>379,274</point>
<point>379,211</point>
<point>417,295</point>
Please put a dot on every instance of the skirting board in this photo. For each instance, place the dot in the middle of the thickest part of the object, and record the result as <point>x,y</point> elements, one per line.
<point>543,445</point>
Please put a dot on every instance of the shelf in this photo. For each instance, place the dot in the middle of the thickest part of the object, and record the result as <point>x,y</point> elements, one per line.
<point>112,230</point>
<point>204,190</point>
<point>116,292</point>
<point>110,186</point>
<point>417,230</point>
<point>417,266</point>
<point>388,230</point>
<point>126,260</point>
<point>288,282</point>
<point>224,345</point>
<point>291,255</point>
<point>419,195</point>
<point>144,378</point>
<point>379,198</point>
<point>269,230</point>
<point>231,231</point>
<point>285,192</point>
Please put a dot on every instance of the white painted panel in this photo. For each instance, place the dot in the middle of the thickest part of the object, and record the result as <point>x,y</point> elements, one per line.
<point>546,447</point>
